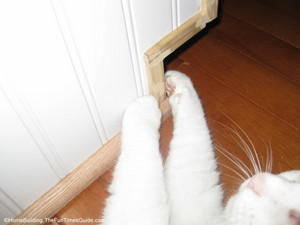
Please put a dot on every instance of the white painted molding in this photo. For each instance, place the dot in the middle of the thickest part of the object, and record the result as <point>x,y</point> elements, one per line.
<point>86,173</point>
<point>131,35</point>
<point>79,69</point>
<point>33,126</point>
<point>9,203</point>
<point>82,77</point>
<point>174,14</point>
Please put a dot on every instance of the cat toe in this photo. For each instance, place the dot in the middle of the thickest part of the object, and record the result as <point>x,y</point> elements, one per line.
<point>170,86</point>
<point>142,111</point>
<point>176,82</point>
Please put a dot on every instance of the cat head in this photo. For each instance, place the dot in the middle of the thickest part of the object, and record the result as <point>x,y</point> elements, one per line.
<point>266,199</point>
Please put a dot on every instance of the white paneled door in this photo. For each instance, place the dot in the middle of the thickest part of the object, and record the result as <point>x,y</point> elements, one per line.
<point>68,69</point>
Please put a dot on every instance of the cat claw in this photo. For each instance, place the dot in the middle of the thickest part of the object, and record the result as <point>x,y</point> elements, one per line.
<point>176,84</point>
<point>170,87</point>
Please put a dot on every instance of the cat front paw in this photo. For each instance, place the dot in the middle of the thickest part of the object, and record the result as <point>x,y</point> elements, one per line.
<point>177,83</point>
<point>143,111</point>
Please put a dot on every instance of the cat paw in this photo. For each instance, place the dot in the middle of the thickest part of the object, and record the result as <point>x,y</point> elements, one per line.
<point>177,83</point>
<point>143,111</point>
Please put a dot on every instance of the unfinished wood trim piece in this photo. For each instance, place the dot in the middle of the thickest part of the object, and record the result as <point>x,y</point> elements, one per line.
<point>154,56</point>
<point>79,179</point>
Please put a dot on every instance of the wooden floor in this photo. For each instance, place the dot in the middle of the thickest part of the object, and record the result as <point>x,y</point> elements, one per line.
<point>246,68</point>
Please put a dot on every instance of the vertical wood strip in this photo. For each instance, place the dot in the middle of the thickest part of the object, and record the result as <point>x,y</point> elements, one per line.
<point>156,80</point>
<point>68,188</point>
<point>154,56</point>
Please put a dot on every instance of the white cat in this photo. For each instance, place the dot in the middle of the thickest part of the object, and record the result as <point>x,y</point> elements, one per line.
<point>187,191</point>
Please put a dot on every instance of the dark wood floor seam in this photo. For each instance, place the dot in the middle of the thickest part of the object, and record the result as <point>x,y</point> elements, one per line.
<point>258,61</point>
<point>245,97</point>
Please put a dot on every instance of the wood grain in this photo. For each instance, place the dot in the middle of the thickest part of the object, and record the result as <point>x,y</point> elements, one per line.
<point>74,183</point>
<point>248,78</point>
<point>83,207</point>
<point>226,109</point>
<point>264,105</point>
<point>155,55</point>
<point>290,7</point>
<point>270,20</point>
<point>279,56</point>
<point>89,203</point>
<point>173,63</point>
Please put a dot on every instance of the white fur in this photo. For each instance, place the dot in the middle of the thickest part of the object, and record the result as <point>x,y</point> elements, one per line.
<point>292,175</point>
<point>138,194</point>
<point>265,199</point>
<point>191,177</point>
<point>187,191</point>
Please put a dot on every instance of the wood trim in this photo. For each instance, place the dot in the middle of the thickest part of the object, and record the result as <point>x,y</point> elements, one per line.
<point>69,187</point>
<point>79,179</point>
<point>154,56</point>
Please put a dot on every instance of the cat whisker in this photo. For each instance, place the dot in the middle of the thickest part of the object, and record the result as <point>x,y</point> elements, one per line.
<point>228,175</point>
<point>249,150</point>
<point>233,191</point>
<point>269,158</point>
<point>237,173</point>
<point>246,149</point>
<point>235,160</point>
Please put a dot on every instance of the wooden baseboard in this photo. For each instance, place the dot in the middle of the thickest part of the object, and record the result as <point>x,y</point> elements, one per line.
<point>69,187</point>
<point>79,179</point>
<point>75,182</point>
<point>155,56</point>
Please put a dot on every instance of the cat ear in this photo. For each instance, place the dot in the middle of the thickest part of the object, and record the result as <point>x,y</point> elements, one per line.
<point>257,184</point>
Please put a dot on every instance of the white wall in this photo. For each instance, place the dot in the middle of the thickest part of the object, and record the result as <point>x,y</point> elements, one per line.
<point>68,68</point>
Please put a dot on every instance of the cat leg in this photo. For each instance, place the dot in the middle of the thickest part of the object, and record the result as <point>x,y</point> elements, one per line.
<point>192,180</point>
<point>138,194</point>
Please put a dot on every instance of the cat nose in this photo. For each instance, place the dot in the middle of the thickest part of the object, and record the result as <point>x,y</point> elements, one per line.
<point>295,216</point>
<point>257,184</point>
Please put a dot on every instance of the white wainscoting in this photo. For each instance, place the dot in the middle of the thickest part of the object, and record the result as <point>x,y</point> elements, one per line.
<point>68,69</point>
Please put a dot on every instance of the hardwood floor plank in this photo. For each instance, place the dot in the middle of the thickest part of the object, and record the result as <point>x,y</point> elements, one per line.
<point>250,79</point>
<point>289,7</point>
<point>230,174</point>
<point>238,69</point>
<point>166,133</point>
<point>221,103</point>
<point>230,181</point>
<point>258,45</point>
<point>265,18</point>
<point>172,64</point>
<point>88,204</point>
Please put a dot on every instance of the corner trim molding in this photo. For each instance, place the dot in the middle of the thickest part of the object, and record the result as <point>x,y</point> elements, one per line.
<point>87,172</point>
<point>79,179</point>
<point>155,55</point>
